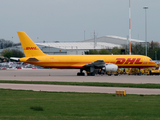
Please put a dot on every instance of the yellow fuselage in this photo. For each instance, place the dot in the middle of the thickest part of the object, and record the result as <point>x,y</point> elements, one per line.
<point>78,61</point>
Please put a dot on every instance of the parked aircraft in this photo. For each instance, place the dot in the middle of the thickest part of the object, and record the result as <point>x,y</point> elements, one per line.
<point>88,63</point>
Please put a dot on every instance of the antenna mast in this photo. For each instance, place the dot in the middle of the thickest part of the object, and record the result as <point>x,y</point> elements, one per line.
<point>129,28</point>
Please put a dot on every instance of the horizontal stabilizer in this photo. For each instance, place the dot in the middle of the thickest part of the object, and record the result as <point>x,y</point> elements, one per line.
<point>14,58</point>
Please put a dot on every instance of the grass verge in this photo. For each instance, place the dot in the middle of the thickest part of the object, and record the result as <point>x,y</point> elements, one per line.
<point>16,104</point>
<point>157,86</point>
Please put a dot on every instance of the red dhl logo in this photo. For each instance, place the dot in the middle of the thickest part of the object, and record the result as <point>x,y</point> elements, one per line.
<point>128,61</point>
<point>31,48</point>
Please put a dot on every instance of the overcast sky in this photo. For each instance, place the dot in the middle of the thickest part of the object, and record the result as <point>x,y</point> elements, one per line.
<point>66,20</point>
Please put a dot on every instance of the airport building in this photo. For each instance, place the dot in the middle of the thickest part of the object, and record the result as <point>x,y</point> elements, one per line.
<point>105,42</point>
<point>75,47</point>
<point>79,48</point>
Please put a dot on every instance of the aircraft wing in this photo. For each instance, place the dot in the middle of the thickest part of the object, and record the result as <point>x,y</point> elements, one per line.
<point>98,63</point>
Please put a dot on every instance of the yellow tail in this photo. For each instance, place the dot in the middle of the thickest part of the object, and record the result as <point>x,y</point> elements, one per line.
<point>29,47</point>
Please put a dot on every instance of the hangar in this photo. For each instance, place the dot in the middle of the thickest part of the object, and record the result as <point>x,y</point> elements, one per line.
<point>114,40</point>
<point>105,42</point>
<point>74,47</point>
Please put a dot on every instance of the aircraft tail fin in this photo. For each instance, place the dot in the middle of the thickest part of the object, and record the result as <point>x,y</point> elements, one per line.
<point>29,47</point>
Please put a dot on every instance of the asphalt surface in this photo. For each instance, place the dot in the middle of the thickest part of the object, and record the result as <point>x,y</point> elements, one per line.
<point>70,75</point>
<point>64,75</point>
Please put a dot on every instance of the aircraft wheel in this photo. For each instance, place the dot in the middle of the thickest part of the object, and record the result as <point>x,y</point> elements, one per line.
<point>80,74</point>
<point>91,74</point>
<point>150,73</point>
<point>116,75</point>
<point>88,74</point>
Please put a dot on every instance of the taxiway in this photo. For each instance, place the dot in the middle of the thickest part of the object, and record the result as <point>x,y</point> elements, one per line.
<point>63,75</point>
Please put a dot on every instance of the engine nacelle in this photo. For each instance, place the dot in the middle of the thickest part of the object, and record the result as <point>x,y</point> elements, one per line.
<point>110,68</point>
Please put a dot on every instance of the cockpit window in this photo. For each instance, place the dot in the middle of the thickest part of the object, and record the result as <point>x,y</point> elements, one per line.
<point>151,60</point>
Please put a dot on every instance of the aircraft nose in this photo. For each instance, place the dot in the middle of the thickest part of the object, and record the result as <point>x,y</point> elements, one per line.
<point>154,63</point>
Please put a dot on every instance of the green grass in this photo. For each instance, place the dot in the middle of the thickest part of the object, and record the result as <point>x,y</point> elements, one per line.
<point>26,105</point>
<point>87,84</point>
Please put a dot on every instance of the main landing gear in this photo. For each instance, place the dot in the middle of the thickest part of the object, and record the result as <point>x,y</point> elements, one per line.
<point>81,73</point>
<point>89,73</point>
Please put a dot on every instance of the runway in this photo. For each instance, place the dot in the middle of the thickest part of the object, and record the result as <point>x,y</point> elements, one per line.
<point>70,76</point>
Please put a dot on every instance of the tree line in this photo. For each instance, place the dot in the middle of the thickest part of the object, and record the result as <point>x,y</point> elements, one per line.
<point>7,53</point>
<point>5,43</point>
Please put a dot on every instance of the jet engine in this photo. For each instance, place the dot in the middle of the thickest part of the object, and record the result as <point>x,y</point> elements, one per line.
<point>110,68</point>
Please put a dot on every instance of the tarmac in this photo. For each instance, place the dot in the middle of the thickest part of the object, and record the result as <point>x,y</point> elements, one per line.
<point>69,75</point>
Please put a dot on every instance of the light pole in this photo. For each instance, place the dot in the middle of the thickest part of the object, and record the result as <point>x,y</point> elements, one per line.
<point>146,26</point>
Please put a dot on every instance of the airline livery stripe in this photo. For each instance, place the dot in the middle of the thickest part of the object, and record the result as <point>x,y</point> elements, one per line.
<point>31,48</point>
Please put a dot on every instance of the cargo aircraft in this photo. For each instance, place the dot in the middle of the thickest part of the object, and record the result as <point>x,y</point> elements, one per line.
<point>88,63</point>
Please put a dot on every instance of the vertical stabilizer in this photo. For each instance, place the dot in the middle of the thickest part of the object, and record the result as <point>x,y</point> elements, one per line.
<point>29,47</point>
